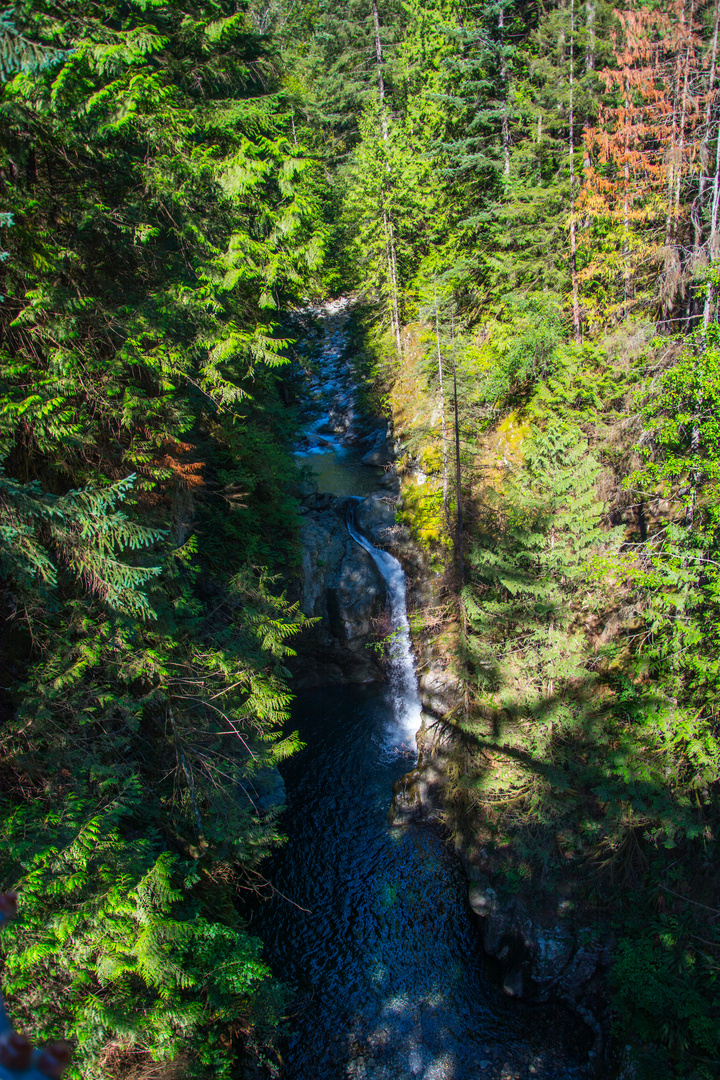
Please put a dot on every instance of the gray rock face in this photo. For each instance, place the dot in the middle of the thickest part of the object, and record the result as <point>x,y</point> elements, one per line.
<point>268,789</point>
<point>375,517</point>
<point>539,962</point>
<point>343,589</point>
<point>417,794</point>
<point>382,448</point>
<point>439,689</point>
<point>324,541</point>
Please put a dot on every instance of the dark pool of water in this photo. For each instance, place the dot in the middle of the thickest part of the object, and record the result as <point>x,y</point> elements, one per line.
<point>341,472</point>
<point>391,980</point>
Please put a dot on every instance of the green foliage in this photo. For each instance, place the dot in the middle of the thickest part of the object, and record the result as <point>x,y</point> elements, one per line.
<point>112,932</point>
<point>17,54</point>
<point>682,441</point>
<point>664,983</point>
<point>532,560</point>
<point>522,350</point>
<point>84,533</point>
<point>159,215</point>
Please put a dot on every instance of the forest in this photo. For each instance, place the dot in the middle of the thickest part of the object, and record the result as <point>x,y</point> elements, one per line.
<point>523,198</point>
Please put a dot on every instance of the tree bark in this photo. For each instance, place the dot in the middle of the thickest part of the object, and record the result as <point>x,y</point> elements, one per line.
<point>387,217</point>
<point>590,40</point>
<point>571,142</point>
<point>706,134</point>
<point>626,202</point>
<point>504,119</point>
<point>442,414</point>
<point>713,238</point>
<point>458,474</point>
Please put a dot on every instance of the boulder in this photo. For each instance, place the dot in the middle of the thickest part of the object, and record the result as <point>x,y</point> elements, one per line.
<point>538,962</point>
<point>417,794</point>
<point>323,535</point>
<point>343,589</point>
<point>356,595</point>
<point>440,690</point>
<point>381,449</point>
<point>268,789</point>
<point>375,517</point>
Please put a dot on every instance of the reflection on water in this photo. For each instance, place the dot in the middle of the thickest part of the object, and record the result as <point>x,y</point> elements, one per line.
<point>391,978</point>
<point>339,471</point>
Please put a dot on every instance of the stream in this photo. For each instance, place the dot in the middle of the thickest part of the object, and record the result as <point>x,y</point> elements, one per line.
<point>374,931</point>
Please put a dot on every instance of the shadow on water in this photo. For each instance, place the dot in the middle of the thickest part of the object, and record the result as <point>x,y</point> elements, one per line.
<point>391,978</point>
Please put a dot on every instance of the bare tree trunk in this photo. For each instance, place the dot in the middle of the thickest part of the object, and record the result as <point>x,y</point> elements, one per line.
<point>672,162</point>
<point>706,134</point>
<point>458,474</point>
<point>442,413</point>
<point>379,63</point>
<point>590,40</point>
<point>713,239</point>
<point>677,261</point>
<point>387,218</point>
<point>394,319</point>
<point>626,203</point>
<point>571,140</point>
<point>504,121</point>
<point>681,141</point>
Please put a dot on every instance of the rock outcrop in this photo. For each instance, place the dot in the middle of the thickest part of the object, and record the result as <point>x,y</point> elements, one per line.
<point>538,961</point>
<point>341,588</point>
<point>375,517</point>
<point>417,796</point>
<point>381,446</point>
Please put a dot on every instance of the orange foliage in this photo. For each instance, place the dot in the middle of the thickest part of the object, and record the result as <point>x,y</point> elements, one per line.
<point>188,474</point>
<point>641,155</point>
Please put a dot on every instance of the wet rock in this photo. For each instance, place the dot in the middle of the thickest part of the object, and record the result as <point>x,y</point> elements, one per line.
<point>554,949</point>
<point>513,982</point>
<point>484,902</point>
<point>343,589</point>
<point>552,962</point>
<point>409,798</point>
<point>375,517</point>
<point>390,482</point>
<point>381,447</point>
<point>324,540</point>
<point>268,789</point>
<point>416,795</point>
<point>356,595</point>
<point>440,689</point>
<point>311,441</point>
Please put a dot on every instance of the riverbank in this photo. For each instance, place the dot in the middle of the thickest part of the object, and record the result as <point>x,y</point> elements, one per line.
<point>369,922</point>
<point>540,755</point>
<point>550,945</point>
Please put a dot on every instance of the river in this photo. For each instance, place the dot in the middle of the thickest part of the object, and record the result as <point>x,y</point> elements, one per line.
<point>373,928</point>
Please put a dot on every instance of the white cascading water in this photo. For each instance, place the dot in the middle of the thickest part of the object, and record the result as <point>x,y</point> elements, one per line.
<point>403,681</point>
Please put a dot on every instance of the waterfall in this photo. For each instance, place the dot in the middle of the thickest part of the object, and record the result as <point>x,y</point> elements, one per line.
<point>403,681</point>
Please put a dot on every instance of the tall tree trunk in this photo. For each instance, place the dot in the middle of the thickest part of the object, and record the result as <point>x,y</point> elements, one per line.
<point>681,140</point>
<point>379,64</point>
<point>442,413</point>
<point>571,142</point>
<point>626,201</point>
<point>680,162</point>
<point>458,474</point>
<point>713,239</point>
<point>590,12</point>
<point>706,134</point>
<point>672,161</point>
<point>387,217</point>
<point>389,260</point>
<point>504,119</point>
